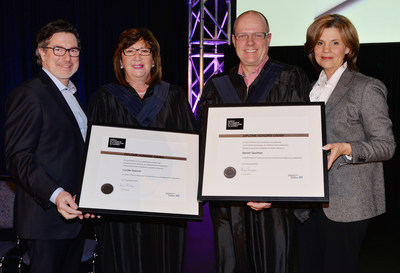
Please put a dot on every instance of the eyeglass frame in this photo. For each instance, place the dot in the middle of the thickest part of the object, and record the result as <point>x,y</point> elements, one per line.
<point>60,47</point>
<point>252,35</point>
<point>137,50</point>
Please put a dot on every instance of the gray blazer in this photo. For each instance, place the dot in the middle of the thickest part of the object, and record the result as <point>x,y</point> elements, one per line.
<point>357,113</point>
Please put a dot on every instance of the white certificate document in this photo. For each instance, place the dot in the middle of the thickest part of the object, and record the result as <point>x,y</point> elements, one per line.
<point>139,171</point>
<point>269,153</point>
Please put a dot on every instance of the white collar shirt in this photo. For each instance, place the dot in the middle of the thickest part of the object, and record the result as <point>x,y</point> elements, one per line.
<point>68,94</point>
<point>323,88</point>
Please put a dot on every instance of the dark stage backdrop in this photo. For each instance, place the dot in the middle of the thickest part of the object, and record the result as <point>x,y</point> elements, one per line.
<point>100,22</point>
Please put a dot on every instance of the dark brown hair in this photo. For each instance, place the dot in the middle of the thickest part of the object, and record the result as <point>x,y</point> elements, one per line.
<point>46,32</point>
<point>347,32</point>
<point>126,39</point>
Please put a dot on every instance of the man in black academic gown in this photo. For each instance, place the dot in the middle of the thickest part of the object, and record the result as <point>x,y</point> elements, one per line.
<point>253,236</point>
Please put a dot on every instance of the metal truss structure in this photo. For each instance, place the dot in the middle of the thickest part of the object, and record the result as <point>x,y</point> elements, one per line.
<point>209,31</point>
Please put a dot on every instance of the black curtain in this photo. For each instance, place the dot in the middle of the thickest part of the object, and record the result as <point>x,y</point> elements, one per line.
<point>99,23</point>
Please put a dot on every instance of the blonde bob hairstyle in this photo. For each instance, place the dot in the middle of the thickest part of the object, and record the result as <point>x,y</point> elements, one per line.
<point>347,32</point>
<point>126,39</point>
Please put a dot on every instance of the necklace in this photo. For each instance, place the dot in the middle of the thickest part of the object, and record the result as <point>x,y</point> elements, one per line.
<point>141,88</point>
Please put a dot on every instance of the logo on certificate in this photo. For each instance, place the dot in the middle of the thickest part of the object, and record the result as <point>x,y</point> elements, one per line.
<point>234,123</point>
<point>107,188</point>
<point>230,172</point>
<point>114,142</point>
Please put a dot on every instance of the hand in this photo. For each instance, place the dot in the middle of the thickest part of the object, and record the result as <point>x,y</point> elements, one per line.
<point>259,205</point>
<point>66,206</point>
<point>87,215</point>
<point>337,149</point>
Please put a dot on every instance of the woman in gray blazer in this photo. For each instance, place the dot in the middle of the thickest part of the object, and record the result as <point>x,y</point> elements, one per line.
<point>359,136</point>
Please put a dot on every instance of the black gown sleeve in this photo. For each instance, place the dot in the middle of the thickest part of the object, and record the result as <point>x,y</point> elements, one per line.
<point>104,108</point>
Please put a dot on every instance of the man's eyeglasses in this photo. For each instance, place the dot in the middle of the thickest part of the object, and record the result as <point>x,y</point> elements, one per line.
<point>254,36</point>
<point>60,51</point>
<point>132,51</point>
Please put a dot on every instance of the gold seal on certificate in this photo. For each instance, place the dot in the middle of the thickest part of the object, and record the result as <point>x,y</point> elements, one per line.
<point>107,188</point>
<point>230,172</point>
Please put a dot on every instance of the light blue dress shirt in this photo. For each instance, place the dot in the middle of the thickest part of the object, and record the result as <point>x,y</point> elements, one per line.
<point>81,119</point>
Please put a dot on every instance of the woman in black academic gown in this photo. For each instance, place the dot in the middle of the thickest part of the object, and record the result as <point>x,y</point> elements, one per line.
<point>140,98</point>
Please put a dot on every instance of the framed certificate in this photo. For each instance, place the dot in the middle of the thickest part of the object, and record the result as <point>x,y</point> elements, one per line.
<point>140,172</point>
<point>264,153</point>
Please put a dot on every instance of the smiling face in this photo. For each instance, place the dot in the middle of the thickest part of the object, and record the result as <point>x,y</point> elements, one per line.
<point>250,51</point>
<point>330,51</point>
<point>62,67</point>
<point>137,68</point>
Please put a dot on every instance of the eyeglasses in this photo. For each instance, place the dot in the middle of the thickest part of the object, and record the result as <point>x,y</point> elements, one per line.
<point>132,51</point>
<point>60,51</point>
<point>255,36</point>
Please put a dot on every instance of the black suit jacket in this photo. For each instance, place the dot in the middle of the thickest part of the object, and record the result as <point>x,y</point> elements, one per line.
<point>43,149</point>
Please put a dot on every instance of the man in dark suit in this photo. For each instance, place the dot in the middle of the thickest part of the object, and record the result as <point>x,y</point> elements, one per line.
<point>45,130</point>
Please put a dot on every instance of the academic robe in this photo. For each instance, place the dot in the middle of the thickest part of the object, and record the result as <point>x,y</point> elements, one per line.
<point>133,244</point>
<point>248,240</point>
